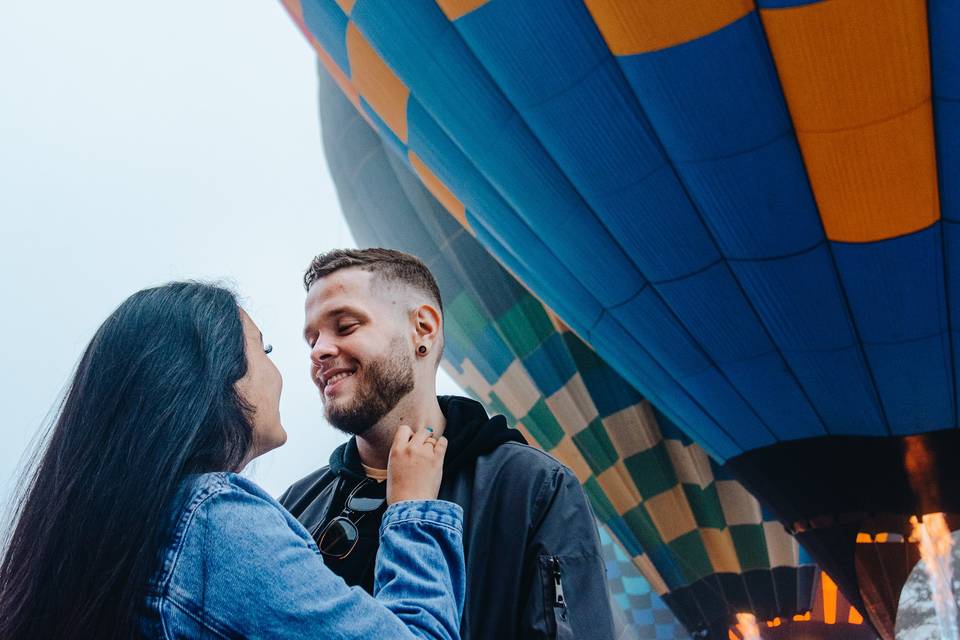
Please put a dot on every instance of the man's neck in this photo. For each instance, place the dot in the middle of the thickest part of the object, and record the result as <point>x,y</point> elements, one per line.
<point>416,412</point>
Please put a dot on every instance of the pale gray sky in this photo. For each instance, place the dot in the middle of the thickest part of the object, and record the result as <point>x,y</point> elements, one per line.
<point>145,142</point>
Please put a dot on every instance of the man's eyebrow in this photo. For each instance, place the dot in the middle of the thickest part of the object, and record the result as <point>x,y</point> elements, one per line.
<point>341,311</point>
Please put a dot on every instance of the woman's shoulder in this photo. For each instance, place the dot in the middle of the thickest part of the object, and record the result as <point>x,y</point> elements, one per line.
<point>229,533</point>
<point>225,495</point>
<point>253,500</point>
<point>219,512</point>
<point>198,484</point>
<point>197,492</point>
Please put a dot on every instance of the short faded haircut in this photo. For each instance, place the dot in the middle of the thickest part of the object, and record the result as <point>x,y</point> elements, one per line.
<point>387,264</point>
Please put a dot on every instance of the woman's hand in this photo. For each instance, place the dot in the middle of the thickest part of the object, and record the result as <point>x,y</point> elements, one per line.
<point>415,466</point>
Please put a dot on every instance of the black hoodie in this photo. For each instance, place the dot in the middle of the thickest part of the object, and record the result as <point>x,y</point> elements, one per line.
<point>470,434</point>
<point>534,568</point>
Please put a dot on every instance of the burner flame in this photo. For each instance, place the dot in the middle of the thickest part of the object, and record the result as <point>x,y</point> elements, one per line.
<point>747,626</point>
<point>932,535</point>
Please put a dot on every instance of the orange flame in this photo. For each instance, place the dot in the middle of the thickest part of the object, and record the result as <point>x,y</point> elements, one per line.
<point>921,471</point>
<point>932,535</point>
<point>747,626</point>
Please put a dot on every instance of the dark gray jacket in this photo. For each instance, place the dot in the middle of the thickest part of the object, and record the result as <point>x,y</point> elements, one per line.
<point>534,568</point>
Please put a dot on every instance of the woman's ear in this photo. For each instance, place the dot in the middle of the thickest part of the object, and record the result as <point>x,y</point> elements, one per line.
<point>428,327</point>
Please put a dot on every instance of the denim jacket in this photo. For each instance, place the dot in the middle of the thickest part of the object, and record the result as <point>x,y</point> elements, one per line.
<point>239,566</point>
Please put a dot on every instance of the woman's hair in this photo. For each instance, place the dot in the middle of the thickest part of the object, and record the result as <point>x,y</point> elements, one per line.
<point>152,401</point>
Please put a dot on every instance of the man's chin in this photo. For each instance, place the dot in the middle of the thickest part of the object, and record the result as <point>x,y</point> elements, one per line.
<point>349,428</point>
<point>347,422</point>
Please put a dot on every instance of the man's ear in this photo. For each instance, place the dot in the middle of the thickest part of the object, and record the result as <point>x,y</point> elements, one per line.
<point>428,329</point>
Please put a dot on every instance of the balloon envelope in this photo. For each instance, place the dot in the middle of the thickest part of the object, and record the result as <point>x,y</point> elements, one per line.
<point>749,211</point>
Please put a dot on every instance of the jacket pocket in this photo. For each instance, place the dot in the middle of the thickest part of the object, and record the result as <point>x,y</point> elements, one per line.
<point>556,611</point>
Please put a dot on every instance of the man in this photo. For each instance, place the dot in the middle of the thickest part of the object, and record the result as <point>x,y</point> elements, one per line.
<point>374,323</point>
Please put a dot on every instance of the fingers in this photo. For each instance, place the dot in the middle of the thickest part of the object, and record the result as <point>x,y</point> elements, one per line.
<point>421,436</point>
<point>412,441</point>
<point>402,436</point>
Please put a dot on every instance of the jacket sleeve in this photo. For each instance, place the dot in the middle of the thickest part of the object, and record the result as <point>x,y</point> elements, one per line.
<point>246,570</point>
<point>410,556</point>
<point>569,597</point>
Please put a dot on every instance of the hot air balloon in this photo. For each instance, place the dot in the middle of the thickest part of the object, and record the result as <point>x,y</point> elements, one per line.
<point>703,542</point>
<point>747,210</point>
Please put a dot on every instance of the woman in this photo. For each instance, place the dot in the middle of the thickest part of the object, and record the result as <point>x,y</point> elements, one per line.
<point>135,524</point>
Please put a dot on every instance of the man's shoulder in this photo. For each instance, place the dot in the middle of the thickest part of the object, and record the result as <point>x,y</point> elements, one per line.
<point>522,461</point>
<point>520,451</point>
<point>519,479</point>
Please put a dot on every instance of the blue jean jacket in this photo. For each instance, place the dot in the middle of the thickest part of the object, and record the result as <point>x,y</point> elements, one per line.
<point>239,565</point>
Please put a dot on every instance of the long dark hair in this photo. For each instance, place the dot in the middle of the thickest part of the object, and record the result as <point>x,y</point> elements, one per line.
<point>153,400</point>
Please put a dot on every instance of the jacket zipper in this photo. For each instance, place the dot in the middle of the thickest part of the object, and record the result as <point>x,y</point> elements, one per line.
<point>559,601</point>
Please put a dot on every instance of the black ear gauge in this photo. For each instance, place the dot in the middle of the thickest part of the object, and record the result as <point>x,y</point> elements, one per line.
<point>422,350</point>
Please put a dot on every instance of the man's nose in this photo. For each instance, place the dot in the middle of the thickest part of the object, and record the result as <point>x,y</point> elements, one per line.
<point>323,350</point>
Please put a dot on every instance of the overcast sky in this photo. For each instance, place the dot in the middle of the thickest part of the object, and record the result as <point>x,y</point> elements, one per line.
<point>145,142</point>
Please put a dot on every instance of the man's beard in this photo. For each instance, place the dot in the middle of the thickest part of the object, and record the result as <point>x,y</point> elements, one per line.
<point>380,385</point>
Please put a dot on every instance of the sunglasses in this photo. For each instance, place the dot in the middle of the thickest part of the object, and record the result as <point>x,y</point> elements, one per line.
<point>340,535</point>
